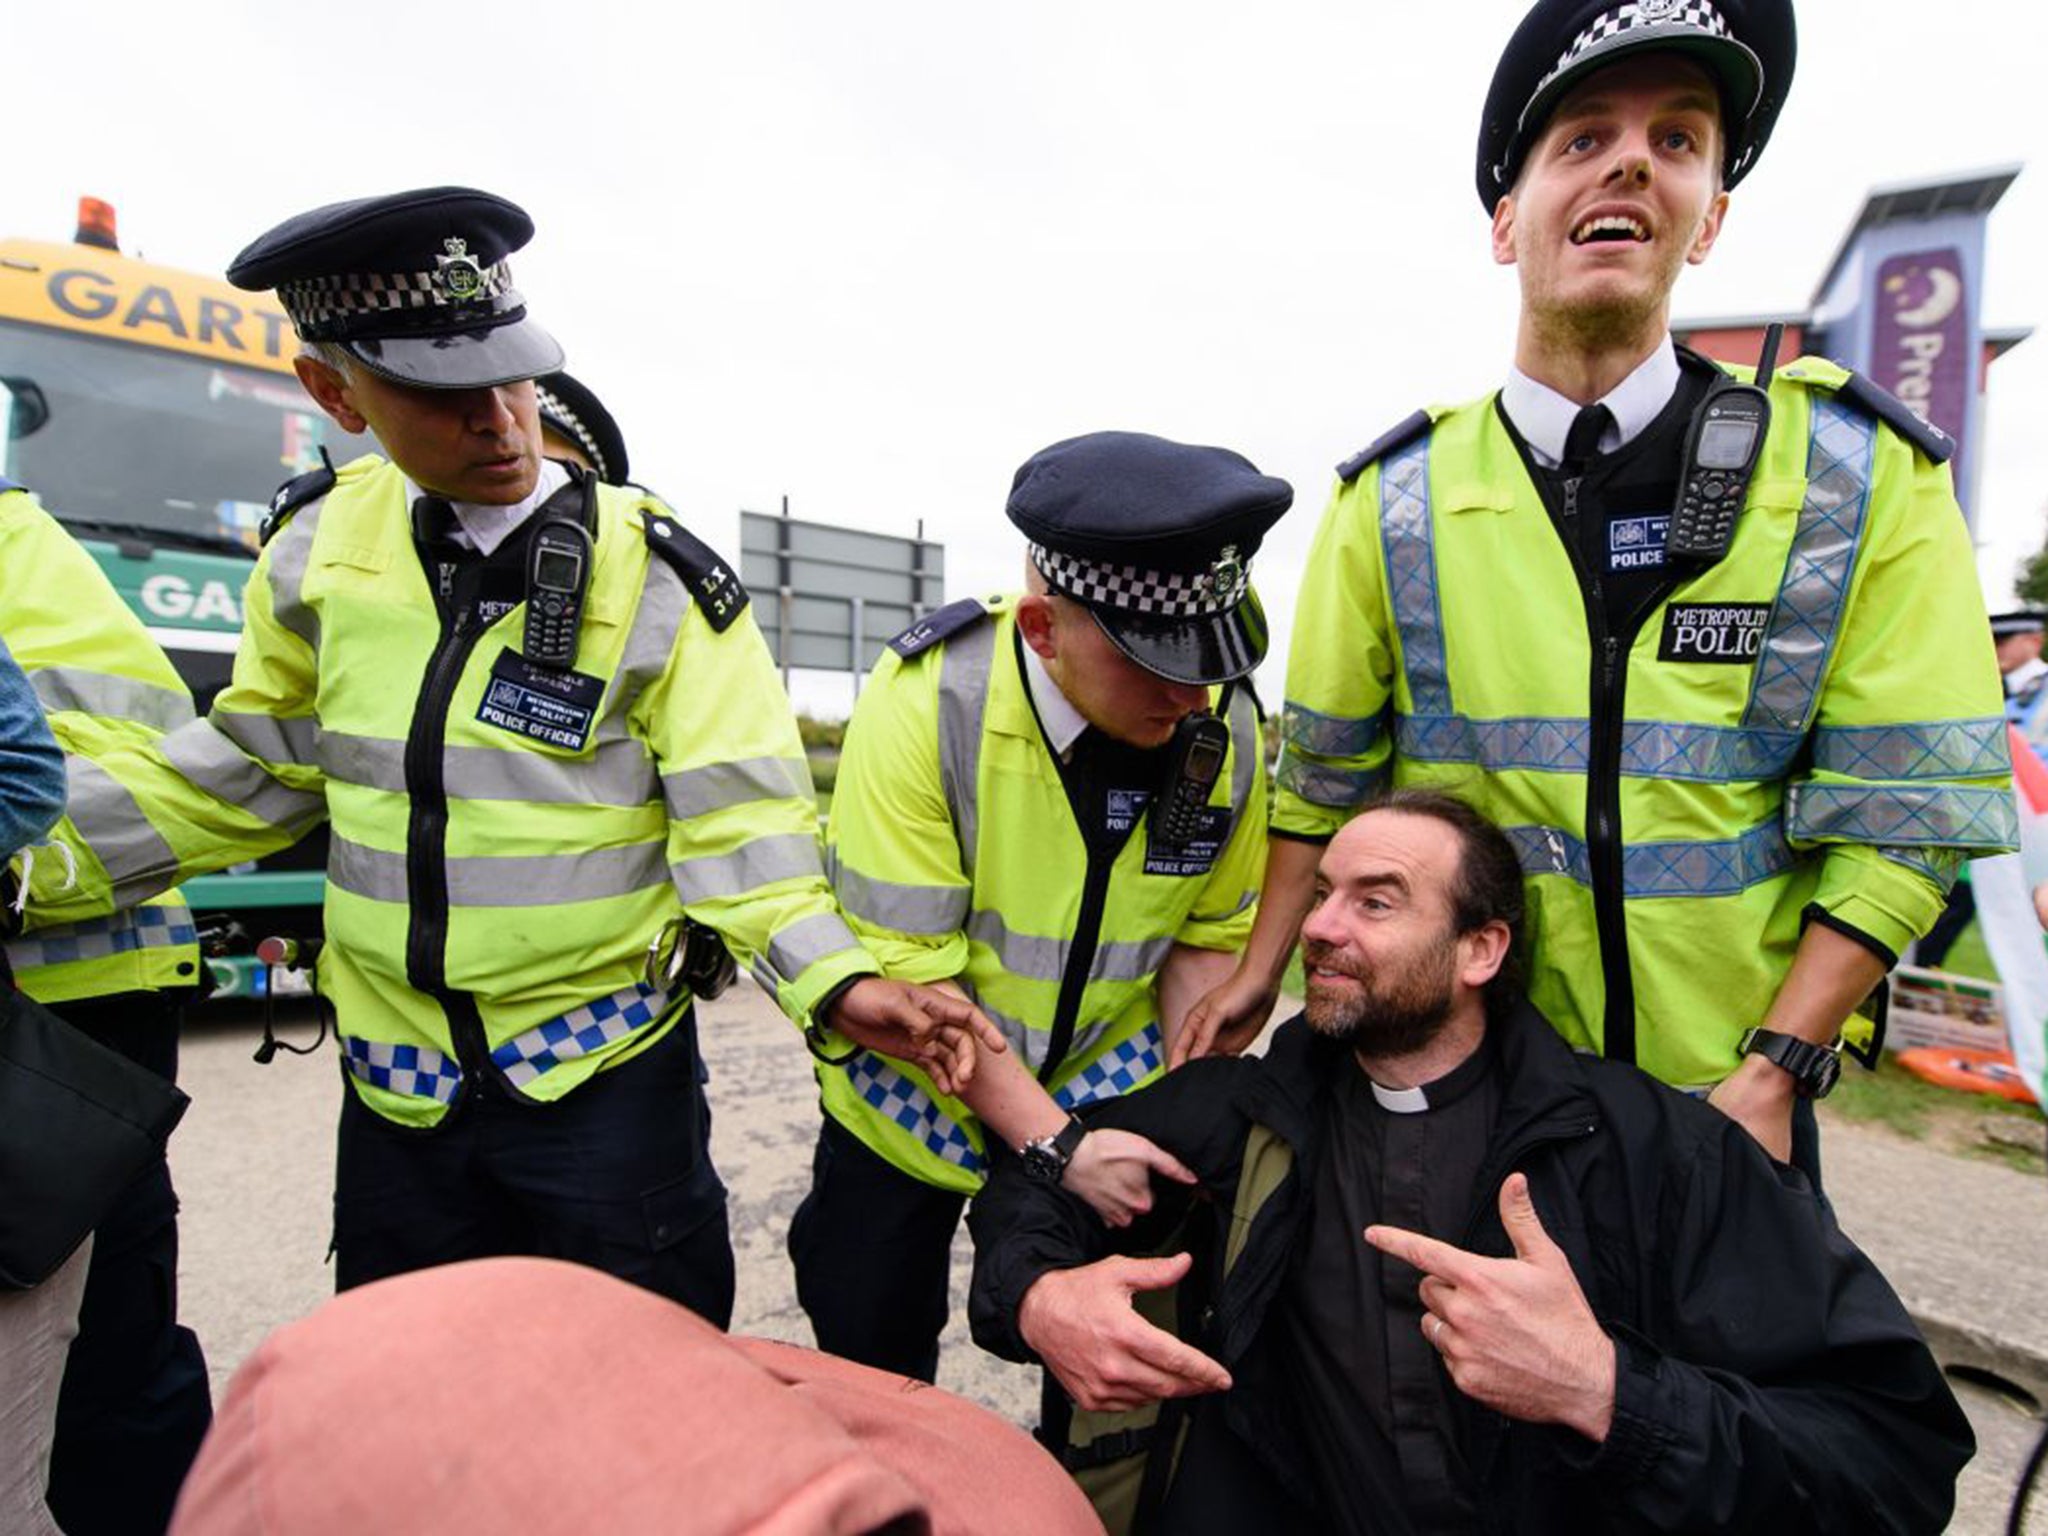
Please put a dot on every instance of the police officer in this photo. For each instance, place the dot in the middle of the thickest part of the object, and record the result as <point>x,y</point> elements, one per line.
<point>135,1390</point>
<point>1053,803</point>
<point>576,427</point>
<point>544,729</point>
<point>1741,779</point>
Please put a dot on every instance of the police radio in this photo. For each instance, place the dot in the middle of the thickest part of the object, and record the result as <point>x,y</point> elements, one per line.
<point>1721,450</point>
<point>1194,762</point>
<point>557,572</point>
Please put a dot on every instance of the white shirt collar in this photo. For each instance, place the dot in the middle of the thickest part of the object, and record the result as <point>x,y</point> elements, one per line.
<point>1543,416</point>
<point>485,527</point>
<point>1063,723</point>
<point>1399,1101</point>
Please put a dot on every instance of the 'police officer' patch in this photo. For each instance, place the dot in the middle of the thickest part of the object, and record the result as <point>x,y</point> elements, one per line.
<point>557,708</point>
<point>1729,633</point>
<point>1197,855</point>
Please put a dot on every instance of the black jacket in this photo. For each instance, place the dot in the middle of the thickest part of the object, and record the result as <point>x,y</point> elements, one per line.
<point>1768,1378</point>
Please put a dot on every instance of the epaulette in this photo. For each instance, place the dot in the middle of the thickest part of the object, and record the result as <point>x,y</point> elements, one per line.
<point>299,491</point>
<point>711,581</point>
<point>1874,400</point>
<point>939,624</point>
<point>1410,429</point>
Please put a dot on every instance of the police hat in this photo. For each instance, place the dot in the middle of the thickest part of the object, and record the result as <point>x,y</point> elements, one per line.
<point>1155,539</point>
<point>1749,46</point>
<point>2021,621</point>
<point>571,411</point>
<point>415,285</point>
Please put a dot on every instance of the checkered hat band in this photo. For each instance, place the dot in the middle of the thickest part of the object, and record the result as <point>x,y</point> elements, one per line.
<point>559,415</point>
<point>1698,15</point>
<point>317,300</point>
<point>1133,589</point>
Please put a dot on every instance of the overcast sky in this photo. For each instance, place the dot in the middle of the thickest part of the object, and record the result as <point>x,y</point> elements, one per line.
<point>873,255</point>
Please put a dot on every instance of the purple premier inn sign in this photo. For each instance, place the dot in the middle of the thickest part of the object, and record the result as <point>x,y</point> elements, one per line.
<point>1920,343</point>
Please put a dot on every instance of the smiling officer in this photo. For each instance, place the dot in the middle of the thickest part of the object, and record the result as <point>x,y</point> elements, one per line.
<point>544,728</point>
<point>1713,655</point>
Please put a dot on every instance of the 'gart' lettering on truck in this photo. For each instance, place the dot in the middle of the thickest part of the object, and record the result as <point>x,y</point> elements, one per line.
<point>154,412</point>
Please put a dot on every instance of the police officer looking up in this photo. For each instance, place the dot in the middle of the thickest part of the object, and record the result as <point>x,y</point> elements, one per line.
<point>1052,803</point>
<point>1717,664</point>
<point>544,728</point>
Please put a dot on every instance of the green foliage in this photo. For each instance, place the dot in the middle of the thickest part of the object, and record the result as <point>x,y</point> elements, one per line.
<point>817,734</point>
<point>2032,583</point>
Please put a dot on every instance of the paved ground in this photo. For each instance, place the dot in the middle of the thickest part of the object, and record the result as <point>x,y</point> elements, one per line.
<point>1964,1242</point>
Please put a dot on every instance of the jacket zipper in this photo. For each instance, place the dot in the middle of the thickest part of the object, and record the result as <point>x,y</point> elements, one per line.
<point>426,840</point>
<point>1080,958</point>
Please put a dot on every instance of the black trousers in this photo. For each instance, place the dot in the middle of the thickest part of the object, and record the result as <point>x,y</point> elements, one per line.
<point>873,1249</point>
<point>135,1402</point>
<point>617,1175</point>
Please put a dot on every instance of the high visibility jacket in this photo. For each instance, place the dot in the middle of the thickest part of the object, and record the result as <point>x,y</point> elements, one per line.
<point>1809,729</point>
<point>956,855</point>
<point>491,894</point>
<point>103,684</point>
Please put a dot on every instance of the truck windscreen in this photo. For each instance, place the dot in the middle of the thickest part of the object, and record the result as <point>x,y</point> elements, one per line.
<point>125,435</point>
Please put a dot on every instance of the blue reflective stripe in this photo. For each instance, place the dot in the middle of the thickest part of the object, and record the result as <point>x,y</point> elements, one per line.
<point>1324,735</point>
<point>1801,634</point>
<point>1409,540</point>
<point>1338,788</point>
<point>119,933</point>
<point>579,1032</point>
<point>1904,815</point>
<point>906,1105</point>
<point>1941,865</point>
<point>1711,868</point>
<point>1117,1070</point>
<point>1651,749</point>
<point>1938,749</point>
<point>417,1071</point>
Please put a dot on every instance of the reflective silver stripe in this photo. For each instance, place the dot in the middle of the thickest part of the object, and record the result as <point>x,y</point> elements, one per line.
<point>1116,1071</point>
<point>1708,868</point>
<point>1654,749</point>
<point>108,697</point>
<point>1801,634</point>
<point>580,1032</point>
<point>765,860</point>
<point>1941,865</point>
<point>1327,735</point>
<point>699,791</point>
<point>274,738</point>
<point>591,874</point>
<point>417,1071</point>
<point>289,552</point>
<point>923,909</point>
<point>1409,539</point>
<point>795,949</point>
<point>614,773</point>
<point>649,644</point>
<point>907,1106</point>
<point>1338,788</point>
<point>138,861</point>
<point>118,933</point>
<point>1938,749</point>
<point>1903,815</point>
<point>963,700</point>
<point>210,761</point>
<point>1244,740</point>
<point>1223,917</point>
<point>1045,959</point>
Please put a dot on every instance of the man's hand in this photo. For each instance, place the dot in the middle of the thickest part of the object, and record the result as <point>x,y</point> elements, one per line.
<point>1515,1334</point>
<point>933,1030</point>
<point>1758,1096</point>
<point>1081,1323</point>
<point>1225,1021</point>
<point>1112,1171</point>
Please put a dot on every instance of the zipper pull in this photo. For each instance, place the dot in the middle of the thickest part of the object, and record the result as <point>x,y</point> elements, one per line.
<point>1571,497</point>
<point>1612,649</point>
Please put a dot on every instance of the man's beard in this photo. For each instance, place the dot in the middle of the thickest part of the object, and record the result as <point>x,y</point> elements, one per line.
<point>1385,1016</point>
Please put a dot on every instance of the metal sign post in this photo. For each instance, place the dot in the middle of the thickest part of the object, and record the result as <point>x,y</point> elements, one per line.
<point>843,591</point>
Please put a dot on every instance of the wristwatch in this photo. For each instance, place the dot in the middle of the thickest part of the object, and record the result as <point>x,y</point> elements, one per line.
<point>1814,1068</point>
<point>1046,1158</point>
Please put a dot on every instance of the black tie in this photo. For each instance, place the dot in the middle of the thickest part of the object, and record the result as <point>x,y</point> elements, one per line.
<point>433,519</point>
<point>1582,443</point>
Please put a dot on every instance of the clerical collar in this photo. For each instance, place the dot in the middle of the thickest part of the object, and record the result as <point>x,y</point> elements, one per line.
<point>1444,1091</point>
<point>1543,416</point>
<point>485,527</point>
<point>1063,723</point>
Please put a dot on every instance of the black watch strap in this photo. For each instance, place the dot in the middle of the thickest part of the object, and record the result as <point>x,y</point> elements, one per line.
<point>1814,1068</point>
